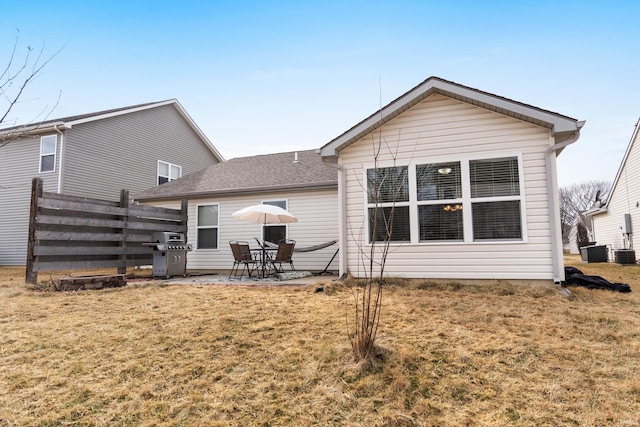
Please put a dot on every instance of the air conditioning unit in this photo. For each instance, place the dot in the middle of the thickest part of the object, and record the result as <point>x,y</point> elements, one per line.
<point>625,256</point>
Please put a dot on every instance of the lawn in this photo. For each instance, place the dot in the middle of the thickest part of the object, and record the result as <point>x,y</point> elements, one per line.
<point>153,354</point>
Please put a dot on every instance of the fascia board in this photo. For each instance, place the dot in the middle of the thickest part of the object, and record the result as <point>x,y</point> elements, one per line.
<point>595,211</point>
<point>36,129</point>
<point>234,191</point>
<point>624,161</point>
<point>71,123</point>
<point>557,123</point>
<point>176,104</point>
<point>198,131</point>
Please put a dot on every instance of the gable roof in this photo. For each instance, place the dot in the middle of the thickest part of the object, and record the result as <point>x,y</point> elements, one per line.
<point>605,207</point>
<point>255,174</point>
<point>562,127</point>
<point>69,121</point>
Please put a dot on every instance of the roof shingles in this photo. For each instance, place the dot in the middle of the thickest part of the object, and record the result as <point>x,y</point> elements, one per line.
<point>268,172</point>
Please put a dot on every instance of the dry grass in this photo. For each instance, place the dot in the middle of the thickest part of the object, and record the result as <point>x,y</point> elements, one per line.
<point>242,356</point>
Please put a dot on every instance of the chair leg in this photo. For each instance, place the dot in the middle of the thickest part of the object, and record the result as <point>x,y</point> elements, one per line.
<point>246,268</point>
<point>234,270</point>
<point>276,268</point>
<point>249,270</point>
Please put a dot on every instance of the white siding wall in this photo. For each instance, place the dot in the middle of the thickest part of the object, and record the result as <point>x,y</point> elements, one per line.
<point>625,199</point>
<point>19,164</point>
<point>443,129</point>
<point>317,223</point>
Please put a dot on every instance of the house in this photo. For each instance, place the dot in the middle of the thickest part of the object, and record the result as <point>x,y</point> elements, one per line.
<point>616,222</point>
<point>297,181</point>
<point>467,179</point>
<point>95,155</point>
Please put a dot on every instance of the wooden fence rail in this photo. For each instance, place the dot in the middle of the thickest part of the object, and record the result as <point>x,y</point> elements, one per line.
<point>70,232</point>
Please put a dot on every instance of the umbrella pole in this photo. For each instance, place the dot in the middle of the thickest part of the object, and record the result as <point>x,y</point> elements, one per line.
<point>264,250</point>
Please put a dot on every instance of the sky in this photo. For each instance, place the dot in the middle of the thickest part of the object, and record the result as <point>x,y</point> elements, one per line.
<point>272,76</point>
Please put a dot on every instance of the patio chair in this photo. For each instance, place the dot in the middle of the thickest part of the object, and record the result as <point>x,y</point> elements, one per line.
<point>284,253</point>
<point>242,255</point>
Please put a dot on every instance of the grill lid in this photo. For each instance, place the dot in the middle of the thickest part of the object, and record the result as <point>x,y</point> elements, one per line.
<point>167,237</point>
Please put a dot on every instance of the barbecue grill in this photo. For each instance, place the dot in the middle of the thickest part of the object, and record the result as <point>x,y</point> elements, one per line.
<point>169,253</point>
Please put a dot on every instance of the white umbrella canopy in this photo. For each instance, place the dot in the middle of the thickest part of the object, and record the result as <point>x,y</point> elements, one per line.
<point>265,214</point>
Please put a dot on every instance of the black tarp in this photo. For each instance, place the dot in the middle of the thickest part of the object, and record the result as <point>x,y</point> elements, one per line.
<point>575,277</point>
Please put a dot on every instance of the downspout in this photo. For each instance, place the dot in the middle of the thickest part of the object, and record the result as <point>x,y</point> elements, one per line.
<point>61,157</point>
<point>554,208</point>
<point>342,216</point>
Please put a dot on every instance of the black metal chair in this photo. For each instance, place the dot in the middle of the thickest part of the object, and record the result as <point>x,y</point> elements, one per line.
<point>242,255</point>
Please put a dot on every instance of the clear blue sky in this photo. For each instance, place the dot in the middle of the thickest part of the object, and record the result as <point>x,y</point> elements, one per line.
<point>270,76</point>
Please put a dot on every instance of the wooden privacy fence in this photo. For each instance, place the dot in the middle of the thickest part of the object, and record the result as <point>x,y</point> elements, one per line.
<point>70,232</point>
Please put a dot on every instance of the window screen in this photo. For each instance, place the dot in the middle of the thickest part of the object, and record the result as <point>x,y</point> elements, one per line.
<point>393,220</point>
<point>168,172</point>
<point>275,232</point>
<point>439,181</point>
<point>208,217</point>
<point>48,153</point>
<point>440,222</point>
<point>497,220</point>
<point>494,177</point>
<point>388,185</point>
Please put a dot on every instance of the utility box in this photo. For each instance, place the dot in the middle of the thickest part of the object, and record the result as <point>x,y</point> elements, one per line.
<point>625,256</point>
<point>594,253</point>
<point>626,224</point>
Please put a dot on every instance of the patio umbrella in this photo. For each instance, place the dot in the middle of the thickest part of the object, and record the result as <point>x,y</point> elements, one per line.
<point>264,214</point>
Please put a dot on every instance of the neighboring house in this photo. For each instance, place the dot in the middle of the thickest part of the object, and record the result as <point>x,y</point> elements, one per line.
<point>297,181</point>
<point>478,197</point>
<point>616,223</point>
<point>572,246</point>
<point>95,155</point>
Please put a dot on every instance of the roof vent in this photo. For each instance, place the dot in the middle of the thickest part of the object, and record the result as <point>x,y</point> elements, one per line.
<point>295,157</point>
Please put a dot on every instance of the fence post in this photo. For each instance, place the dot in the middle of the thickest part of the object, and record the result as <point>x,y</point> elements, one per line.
<point>124,203</point>
<point>31,276</point>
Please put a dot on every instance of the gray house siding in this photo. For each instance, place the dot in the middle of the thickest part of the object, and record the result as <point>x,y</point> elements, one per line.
<point>19,164</point>
<point>96,157</point>
<point>102,157</point>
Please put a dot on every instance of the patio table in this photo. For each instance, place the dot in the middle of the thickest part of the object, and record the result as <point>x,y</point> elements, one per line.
<point>264,256</point>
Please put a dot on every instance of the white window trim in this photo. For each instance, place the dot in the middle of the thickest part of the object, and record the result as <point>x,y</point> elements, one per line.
<point>203,227</point>
<point>55,153</point>
<point>466,200</point>
<point>170,165</point>
<point>367,205</point>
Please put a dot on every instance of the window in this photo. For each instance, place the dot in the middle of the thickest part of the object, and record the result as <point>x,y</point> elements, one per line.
<point>48,153</point>
<point>388,207</point>
<point>275,232</point>
<point>168,172</point>
<point>466,201</point>
<point>208,218</point>
<point>439,199</point>
<point>495,193</point>
<point>497,220</point>
<point>494,177</point>
<point>393,221</point>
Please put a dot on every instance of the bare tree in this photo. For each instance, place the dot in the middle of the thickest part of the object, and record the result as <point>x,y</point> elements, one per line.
<point>384,187</point>
<point>23,67</point>
<point>575,199</point>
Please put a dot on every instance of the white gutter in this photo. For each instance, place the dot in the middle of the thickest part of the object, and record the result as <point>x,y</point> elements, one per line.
<point>342,216</point>
<point>61,157</point>
<point>554,209</point>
